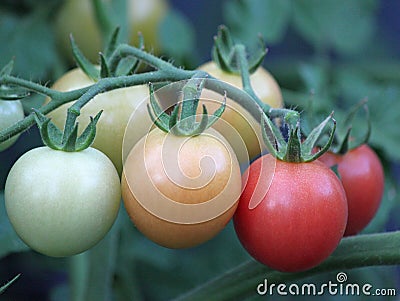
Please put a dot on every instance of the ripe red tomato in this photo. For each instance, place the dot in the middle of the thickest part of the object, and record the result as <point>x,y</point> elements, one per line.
<point>362,176</point>
<point>291,216</point>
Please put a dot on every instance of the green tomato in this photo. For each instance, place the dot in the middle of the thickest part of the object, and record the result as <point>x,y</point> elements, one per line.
<point>118,105</point>
<point>10,113</point>
<point>62,203</point>
<point>78,17</point>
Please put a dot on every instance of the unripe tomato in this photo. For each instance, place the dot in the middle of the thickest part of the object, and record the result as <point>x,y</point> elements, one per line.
<point>118,105</point>
<point>78,17</point>
<point>181,191</point>
<point>362,176</point>
<point>62,203</point>
<point>265,87</point>
<point>10,113</point>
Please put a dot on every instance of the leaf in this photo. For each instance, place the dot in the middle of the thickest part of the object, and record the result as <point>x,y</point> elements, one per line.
<point>9,241</point>
<point>30,42</point>
<point>345,26</point>
<point>384,105</point>
<point>269,18</point>
<point>176,30</point>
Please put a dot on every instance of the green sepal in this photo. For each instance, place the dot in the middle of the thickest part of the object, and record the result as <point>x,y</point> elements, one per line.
<point>160,118</point>
<point>272,137</point>
<point>51,135</point>
<point>218,113</point>
<point>347,142</point>
<point>11,92</point>
<point>127,66</point>
<point>257,58</point>
<point>83,63</point>
<point>112,43</point>
<point>173,120</point>
<point>294,149</point>
<point>68,141</point>
<point>104,70</point>
<point>182,120</point>
<point>223,52</point>
<point>202,125</point>
<point>311,142</point>
<point>87,137</point>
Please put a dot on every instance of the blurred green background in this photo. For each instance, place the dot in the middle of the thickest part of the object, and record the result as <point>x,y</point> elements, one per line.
<point>325,54</point>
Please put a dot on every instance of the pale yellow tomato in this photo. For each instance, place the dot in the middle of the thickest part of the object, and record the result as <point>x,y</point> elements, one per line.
<point>118,105</point>
<point>248,129</point>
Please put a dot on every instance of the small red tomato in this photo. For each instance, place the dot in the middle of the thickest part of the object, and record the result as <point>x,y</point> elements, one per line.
<point>362,176</point>
<point>291,216</point>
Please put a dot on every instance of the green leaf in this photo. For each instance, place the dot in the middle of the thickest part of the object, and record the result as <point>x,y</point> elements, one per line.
<point>175,30</point>
<point>28,39</point>
<point>9,241</point>
<point>384,105</point>
<point>342,25</point>
<point>270,18</point>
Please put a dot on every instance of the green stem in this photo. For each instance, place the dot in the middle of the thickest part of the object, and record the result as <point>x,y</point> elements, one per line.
<point>124,50</point>
<point>241,57</point>
<point>29,85</point>
<point>353,252</point>
<point>84,95</point>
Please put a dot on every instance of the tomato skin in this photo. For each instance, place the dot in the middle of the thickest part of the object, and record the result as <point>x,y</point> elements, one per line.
<point>117,106</point>
<point>300,217</point>
<point>265,87</point>
<point>10,113</point>
<point>147,177</point>
<point>362,176</point>
<point>78,17</point>
<point>62,203</point>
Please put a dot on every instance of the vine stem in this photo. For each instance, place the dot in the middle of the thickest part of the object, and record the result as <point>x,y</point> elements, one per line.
<point>164,72</point>
<point>353,252</point>
<point>84,95</point>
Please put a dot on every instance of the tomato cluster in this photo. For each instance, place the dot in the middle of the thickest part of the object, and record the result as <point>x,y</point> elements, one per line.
<point>181,191</point>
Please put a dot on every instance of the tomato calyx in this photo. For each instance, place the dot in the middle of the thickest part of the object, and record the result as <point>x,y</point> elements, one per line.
<point>295,148</point>
<point>182,120</point>
<point>112,62</point>
<point>8,92</point>
<point>68,140</point>
<point>224,53</point>
<point>348,142</point>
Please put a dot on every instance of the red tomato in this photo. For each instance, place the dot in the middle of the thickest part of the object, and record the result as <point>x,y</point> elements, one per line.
<point>362,176</point>
<point>291,216</point>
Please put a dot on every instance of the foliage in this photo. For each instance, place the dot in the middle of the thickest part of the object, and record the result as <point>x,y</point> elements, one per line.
<point>327,55</point>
